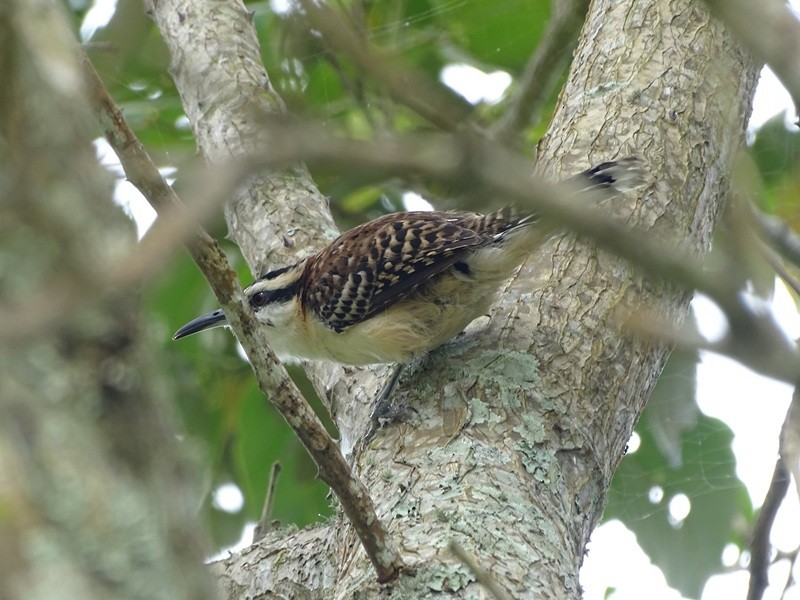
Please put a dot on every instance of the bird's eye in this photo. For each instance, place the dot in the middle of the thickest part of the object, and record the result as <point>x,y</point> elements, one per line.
<point>259,299</point>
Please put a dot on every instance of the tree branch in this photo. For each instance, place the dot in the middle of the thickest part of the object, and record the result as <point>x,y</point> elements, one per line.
<point>772,31</point>
<point>484,169</point>
<point>759,544</point>
<point>263,525</point>
<point>273,380</point>
<point>777,234</point>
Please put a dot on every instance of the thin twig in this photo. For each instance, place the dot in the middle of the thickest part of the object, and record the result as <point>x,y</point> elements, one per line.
<point>273,380</point>
<point>482,575</point>
<point>759,544</point>
<point>263,525</point>
<point>790,439</point>
<point>790,453</point>
<point>777,234</point>
<point>774,261</point>
<point>779,365</point>
<point>771,30</point>
<point>790,579</point>
<point>543,70</point>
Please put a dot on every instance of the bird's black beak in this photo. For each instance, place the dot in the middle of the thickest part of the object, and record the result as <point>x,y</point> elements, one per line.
<point>209,321</point>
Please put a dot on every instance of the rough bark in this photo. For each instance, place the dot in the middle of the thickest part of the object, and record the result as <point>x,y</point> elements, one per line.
<point>94,492</point>
<point>522,423</point>
<point>673,85</point>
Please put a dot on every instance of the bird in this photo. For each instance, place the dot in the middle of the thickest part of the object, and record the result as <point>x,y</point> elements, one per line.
<point>394,288</point>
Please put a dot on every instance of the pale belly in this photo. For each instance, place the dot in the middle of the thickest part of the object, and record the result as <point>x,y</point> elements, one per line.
<point>405,331</point>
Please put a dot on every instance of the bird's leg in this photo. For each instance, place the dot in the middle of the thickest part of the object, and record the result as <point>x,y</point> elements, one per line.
<point>383,409</point>
<point>383,412</point>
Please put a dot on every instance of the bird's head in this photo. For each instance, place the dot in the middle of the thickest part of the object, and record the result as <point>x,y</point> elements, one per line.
<point>273,298</point>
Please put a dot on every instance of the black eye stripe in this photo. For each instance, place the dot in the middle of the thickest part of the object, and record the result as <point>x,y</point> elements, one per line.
<point>262,298</point>
<point>275,273</point>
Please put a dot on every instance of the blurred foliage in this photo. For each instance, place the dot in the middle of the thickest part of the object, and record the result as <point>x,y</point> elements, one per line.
<point>681,451</point>
<point>687,550</point>
<point>776,153</point>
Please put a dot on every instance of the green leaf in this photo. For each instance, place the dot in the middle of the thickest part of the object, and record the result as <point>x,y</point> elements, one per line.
<point>671,409</point>
<point>690,551</point>
<point>262,439</point>
<point>776,150</point>
<point>502,34</point>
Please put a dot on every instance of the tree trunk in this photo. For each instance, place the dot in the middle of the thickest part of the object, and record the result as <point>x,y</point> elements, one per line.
<point>94,494</point>
<point>521,424</point>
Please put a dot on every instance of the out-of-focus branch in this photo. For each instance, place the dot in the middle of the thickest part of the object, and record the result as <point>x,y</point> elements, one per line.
<point>790,578</point>
<point>788,462</point>
<point>482,575</point>
<point>484,169</point>
<point>772,356</point>
<point>209,186</point>
<point>273,380</point>
<point>777,234</point>
<point>773,260</point>
<point>790,439</point>
<point>772,31</point>
<point>404,85</point>
<point>543,69</point>
<point>759,544</point>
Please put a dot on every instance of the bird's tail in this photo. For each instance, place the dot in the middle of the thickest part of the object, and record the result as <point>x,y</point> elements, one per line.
<point>607,178</point>
<point>614,175</point>
<point>521,232</point>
